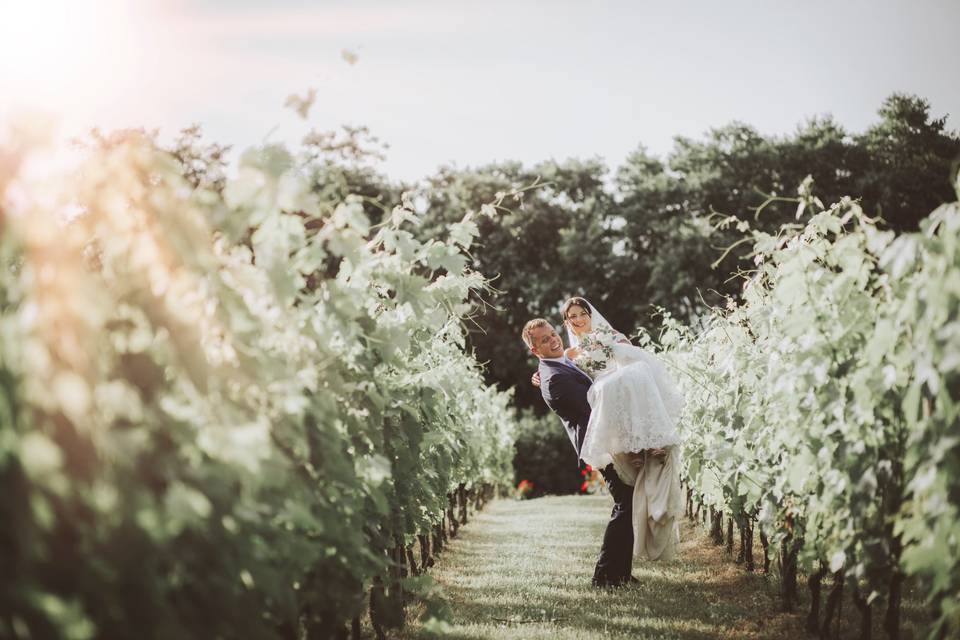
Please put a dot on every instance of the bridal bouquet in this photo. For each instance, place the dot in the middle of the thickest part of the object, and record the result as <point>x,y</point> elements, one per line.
<point>596,350</point>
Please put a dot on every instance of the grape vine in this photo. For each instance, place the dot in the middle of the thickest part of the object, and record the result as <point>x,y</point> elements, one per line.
<point>822,407</point>
<point>226,414</point>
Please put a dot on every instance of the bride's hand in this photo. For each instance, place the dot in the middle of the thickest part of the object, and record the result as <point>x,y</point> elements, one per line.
<point>572,352</point>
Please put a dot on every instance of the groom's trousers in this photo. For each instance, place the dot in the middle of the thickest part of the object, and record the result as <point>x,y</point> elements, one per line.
<point>616,554</point>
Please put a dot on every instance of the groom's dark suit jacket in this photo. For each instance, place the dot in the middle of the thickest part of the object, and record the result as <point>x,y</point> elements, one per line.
<point>564,389</point>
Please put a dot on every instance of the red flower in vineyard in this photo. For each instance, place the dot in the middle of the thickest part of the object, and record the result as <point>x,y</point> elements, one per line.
<point>583,486</point>
<point>524,487</point>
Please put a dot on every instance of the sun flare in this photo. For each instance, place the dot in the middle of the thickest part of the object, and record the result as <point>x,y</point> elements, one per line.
<point>55,52</point>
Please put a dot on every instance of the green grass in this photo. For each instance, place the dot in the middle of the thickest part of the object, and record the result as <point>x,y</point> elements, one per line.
<point>523,569</point>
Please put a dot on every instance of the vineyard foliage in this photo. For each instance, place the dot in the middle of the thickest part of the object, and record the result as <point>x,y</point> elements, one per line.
<point>823,404</point>
<point>218,411</point>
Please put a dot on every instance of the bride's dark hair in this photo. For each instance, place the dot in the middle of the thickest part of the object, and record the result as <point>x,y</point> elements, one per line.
<point>574,302</point>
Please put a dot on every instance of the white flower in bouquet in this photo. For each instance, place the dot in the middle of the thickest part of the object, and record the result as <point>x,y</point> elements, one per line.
<point>597,355</point>
<point>605,339</point>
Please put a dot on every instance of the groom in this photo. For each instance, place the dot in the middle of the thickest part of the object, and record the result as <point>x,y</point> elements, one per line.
<point>564,389</point>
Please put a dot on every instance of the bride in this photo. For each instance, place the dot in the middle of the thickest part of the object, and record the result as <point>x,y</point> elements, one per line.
<point>634,409</point>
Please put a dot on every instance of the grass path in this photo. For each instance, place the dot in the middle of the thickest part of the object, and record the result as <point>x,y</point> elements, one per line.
<point>522,570</point>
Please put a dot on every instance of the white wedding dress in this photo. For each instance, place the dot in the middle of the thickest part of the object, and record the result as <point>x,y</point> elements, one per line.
<point>635,406</point>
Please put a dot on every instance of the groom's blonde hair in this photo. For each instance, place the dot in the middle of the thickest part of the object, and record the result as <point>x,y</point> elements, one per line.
<point>529,327</point>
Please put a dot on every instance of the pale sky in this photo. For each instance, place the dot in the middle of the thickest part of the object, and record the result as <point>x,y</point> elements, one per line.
<point>474,82</point>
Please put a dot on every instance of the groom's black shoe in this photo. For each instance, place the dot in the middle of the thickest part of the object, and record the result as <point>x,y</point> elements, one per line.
<point>615,583</point>
<point>604,584</point>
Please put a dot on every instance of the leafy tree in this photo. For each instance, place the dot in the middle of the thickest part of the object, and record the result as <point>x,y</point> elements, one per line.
<point>908,158</point>
<point>341,164</point>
